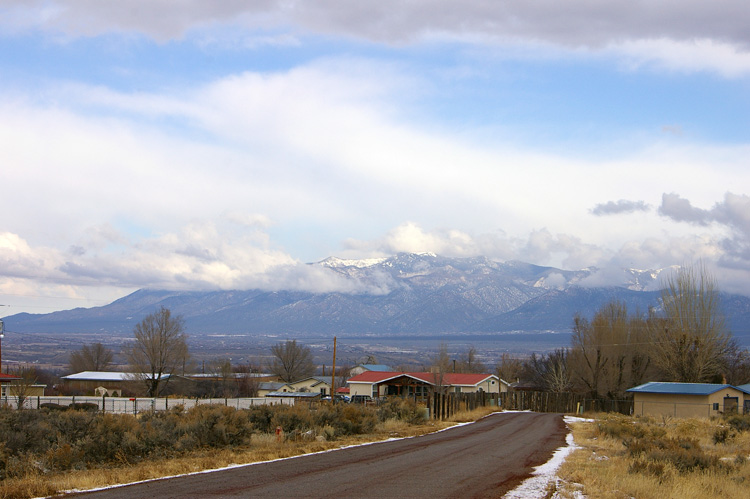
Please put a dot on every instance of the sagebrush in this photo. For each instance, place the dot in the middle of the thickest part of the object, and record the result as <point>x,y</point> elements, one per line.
<point>51,440</point>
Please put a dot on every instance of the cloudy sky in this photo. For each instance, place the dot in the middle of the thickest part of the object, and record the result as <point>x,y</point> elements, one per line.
<point>224,144</point>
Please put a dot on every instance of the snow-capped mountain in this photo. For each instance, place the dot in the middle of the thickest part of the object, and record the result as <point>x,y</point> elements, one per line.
<point>418,294</point>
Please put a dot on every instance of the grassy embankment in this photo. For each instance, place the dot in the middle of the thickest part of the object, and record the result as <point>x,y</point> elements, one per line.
<point>45,452</point>
<point>625,457</point>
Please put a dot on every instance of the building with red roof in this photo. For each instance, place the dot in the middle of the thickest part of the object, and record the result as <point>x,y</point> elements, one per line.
<point>404,384</point>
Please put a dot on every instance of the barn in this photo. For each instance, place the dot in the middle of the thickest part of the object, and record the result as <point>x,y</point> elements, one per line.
<point>687,400</point>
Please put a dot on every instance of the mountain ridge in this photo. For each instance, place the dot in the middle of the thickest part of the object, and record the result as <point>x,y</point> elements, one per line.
<point>424,294</point>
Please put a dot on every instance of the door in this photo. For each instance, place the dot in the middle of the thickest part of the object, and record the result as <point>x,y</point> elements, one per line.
<point>730,405</point>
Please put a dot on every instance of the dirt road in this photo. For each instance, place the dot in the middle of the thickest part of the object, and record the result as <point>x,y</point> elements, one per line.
<point>482,459</point>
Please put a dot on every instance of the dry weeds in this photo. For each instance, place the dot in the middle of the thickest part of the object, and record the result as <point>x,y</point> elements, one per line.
<point>263,447</point>
<point>616,464</point>
<point>473,415</point>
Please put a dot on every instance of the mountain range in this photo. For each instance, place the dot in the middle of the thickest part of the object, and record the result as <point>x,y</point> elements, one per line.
<point>406,294</point>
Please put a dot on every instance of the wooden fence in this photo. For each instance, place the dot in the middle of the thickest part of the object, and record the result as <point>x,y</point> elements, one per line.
<point>442,406</point>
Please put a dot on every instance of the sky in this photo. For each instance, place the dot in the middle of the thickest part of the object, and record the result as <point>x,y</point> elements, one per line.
<point>225,145</point>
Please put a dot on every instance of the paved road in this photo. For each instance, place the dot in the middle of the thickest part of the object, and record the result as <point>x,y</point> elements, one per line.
<point>482,459</point>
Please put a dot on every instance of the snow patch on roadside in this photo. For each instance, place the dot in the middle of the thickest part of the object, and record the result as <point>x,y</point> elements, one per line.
<point>536,486</point>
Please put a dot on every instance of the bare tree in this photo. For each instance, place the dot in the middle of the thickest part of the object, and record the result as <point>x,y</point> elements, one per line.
<point>94,357</point>
<point>23,387</point>
<point>224,384</point>
<point>509,368</point>
<point>691,338</point>
<point>441,365</point>
<point>736,364</point>
<point>469,362</point>
<point>342,376</point>
<point>557,376</point>
<point>247,380</point>
<point>611,353</point>
<point>548,372</point>
<point>160,349</point>
<point>291,361</point>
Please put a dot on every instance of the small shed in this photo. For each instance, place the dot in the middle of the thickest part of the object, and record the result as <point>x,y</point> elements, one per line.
<point>319,384</point>
<point>13,386</point>
<point>687,400</point>
<point>266,387</point>
<point>5,381</point>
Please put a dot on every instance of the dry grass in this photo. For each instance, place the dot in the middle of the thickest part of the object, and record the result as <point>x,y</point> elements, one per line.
<point>619,458</point>
<point>263,447</point>
<point>473,415</point>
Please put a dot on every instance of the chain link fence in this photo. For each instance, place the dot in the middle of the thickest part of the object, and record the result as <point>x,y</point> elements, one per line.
<point>126,405</point>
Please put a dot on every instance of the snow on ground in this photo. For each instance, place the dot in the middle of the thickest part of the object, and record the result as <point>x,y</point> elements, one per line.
<point>536,486</point>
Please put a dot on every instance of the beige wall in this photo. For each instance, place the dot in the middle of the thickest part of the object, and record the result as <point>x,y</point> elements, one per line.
<point>310,385</point>
<point>489,386</point>
<point>29,391</point>
<point>360,389</point>
<point>684,406</point>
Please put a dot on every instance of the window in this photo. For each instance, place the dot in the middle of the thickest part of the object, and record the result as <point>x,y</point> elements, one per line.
<point>716,406</point>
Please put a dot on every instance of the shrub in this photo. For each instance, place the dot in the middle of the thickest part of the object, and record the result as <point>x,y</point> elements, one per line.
<point>355,419</point>
<point>646,467</point>
<point>739,423</point>
<point>261,417</point>
<point>721,435</point>
<point>292,419</point>
<point>84,406</point>
<point>685,454</point>
<point>619,427</point>
<point>401,409</point>
<point>216,426</point>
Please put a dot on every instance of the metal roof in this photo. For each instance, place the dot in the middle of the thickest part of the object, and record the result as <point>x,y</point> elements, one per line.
<point>270,385</point>
<point>375,367</point>
<point>300,395</point>
<point>683,388</point>
<point>106,376</point>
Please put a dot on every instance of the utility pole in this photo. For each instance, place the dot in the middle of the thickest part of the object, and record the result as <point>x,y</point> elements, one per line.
<point>333,374</point>
<point>2,335</point>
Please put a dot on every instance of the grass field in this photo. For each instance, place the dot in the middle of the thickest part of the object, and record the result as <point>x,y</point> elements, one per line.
<point>644,458</point>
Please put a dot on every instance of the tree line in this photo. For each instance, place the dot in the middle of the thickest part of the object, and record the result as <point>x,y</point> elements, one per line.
<point>160,349</point>
<point>682,339</point>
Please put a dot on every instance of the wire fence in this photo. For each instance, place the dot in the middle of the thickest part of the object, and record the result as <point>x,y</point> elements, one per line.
<point>134,405</point>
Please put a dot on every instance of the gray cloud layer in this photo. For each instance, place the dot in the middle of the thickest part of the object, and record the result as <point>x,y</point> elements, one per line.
<point>574,22</point>
<point>733,213</point>
<point>621,206</point>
